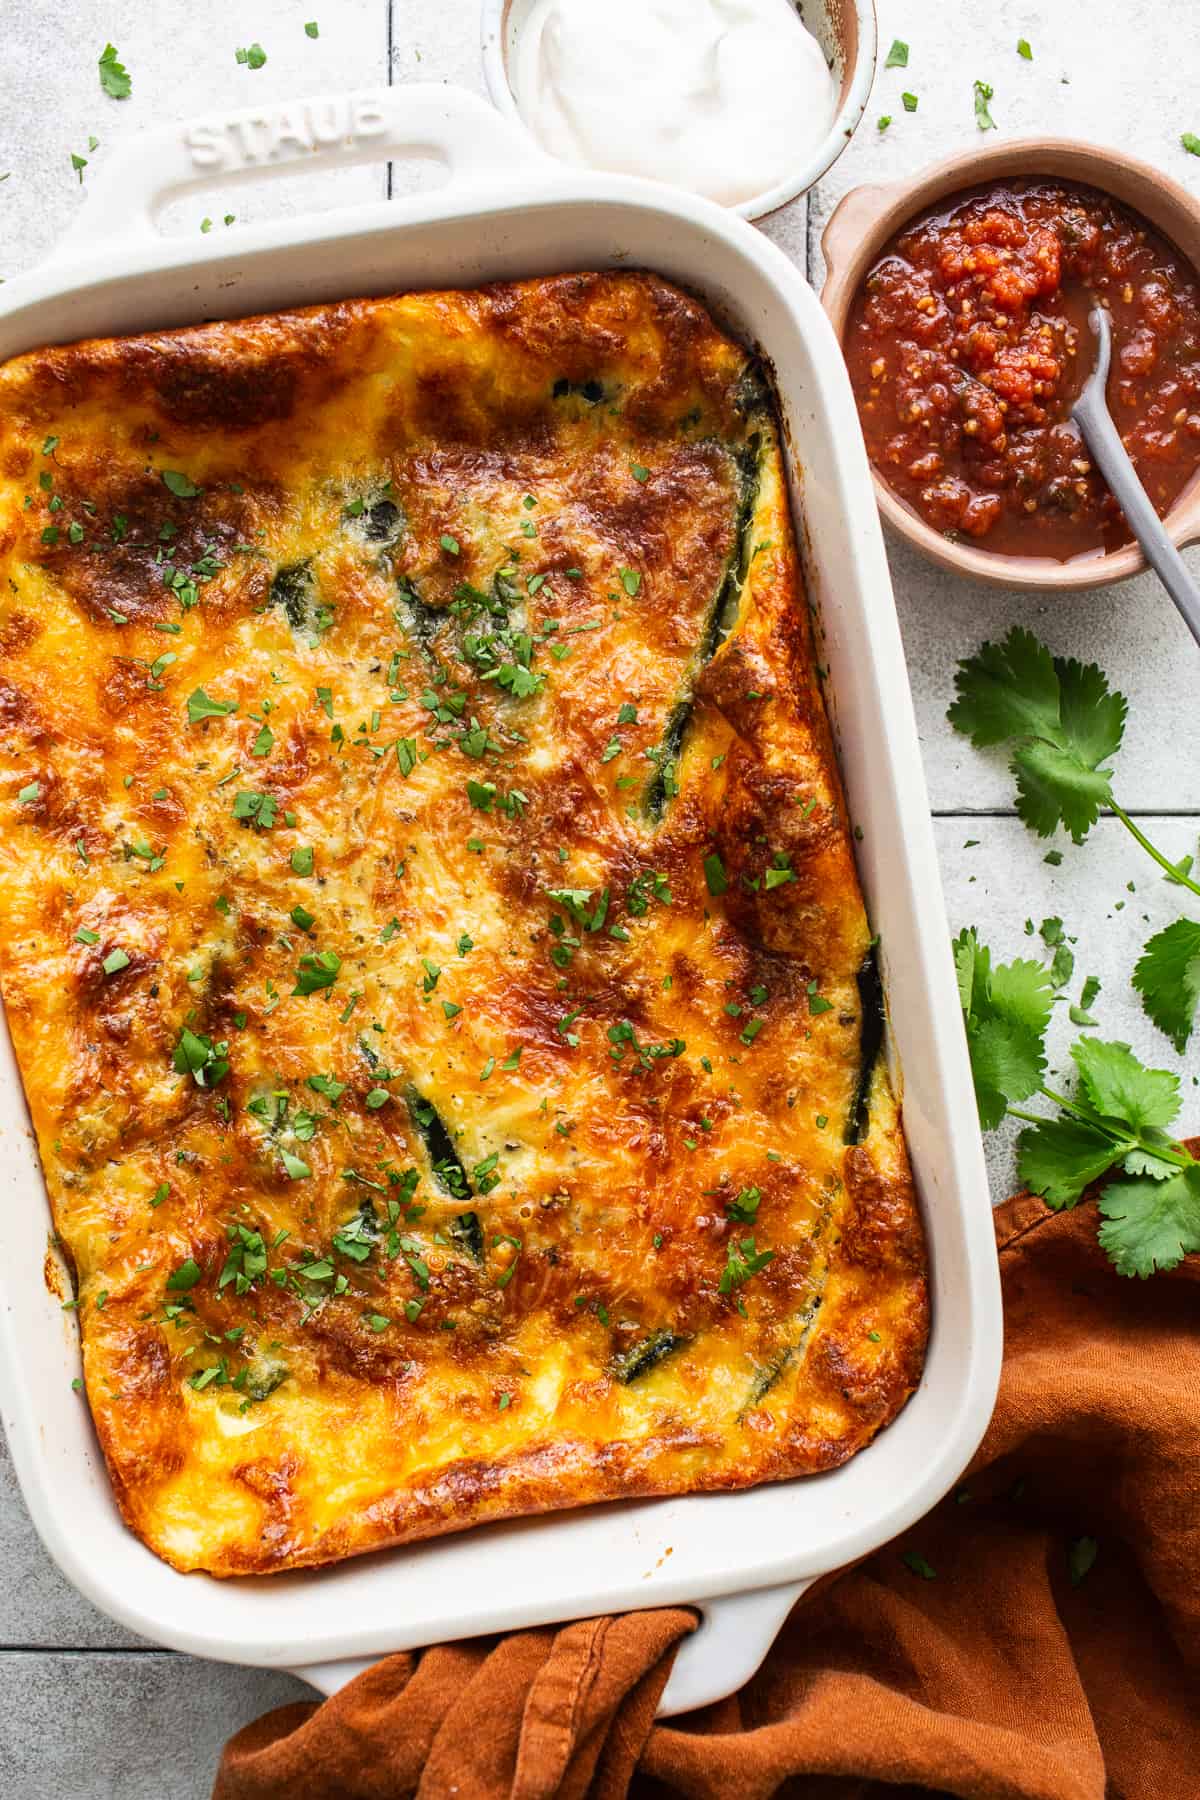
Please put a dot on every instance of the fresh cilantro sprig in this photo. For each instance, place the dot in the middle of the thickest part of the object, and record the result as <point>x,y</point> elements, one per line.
<point>1114,1125</point>
<point>1066,724</point>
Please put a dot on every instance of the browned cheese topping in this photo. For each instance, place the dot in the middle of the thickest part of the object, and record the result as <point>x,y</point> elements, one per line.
<point>428,922</point>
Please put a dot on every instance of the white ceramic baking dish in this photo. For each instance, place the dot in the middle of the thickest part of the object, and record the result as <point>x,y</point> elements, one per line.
<point>506,211</point>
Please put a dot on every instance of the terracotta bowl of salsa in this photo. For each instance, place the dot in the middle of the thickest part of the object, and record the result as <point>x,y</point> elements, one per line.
<point>961,302</point>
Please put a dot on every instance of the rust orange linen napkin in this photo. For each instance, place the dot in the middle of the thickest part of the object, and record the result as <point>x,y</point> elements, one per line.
<point>979,1656</point>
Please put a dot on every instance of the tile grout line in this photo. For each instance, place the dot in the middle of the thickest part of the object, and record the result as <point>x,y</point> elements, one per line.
<point>101,1650</point>
<point>1009,812</point>
<point>390,49</point>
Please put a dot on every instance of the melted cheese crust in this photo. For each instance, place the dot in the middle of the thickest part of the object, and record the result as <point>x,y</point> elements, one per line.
<point>444,655</point>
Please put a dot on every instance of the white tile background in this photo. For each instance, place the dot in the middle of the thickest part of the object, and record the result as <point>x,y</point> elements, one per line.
<point>86,1712</point>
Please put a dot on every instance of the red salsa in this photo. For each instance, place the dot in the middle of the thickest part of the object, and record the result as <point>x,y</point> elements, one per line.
<point>968,342</point>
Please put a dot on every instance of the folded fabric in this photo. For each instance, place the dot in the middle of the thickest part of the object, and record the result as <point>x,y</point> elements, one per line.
<point>1036,1637</point>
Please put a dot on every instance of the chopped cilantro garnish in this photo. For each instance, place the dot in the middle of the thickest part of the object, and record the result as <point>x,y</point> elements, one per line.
<point>179,484</point>
<point>742,1260</point>
<point>406,755</point>
<point>745,1206</point>
<point>327,1087</point>
<point>261,809</point>
<point>202,706</point>
<point>316,971</point>
<point>714,874</point>
<point>114,77</point>
<point>207,1063</point>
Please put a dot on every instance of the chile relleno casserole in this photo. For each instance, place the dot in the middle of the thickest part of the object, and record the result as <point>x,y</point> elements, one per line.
<point>431,936</point>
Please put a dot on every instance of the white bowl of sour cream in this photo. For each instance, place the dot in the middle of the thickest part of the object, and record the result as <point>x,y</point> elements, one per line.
<point>745,101</point>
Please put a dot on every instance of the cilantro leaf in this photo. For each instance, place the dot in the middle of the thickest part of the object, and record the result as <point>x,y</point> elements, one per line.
<point>114,77</point>
<point>1119,1087</point>
<point>972,961</point>
<point>1151,1225</point>
<point>317,971</point>
<point>1008,690</point>
<point>1006,1011</point>
<point>207,1063</point>
<point>1022,992</point>
<point>1059,1158</point>
<point>741,1262</point>
<point>1007,1064</point>
<point>1144,1162</point>
<point>574,901</point>
<point>1167,977</point>
<point>1063,717</point>
<point>201,706</point>
<point>1092,714</point>
<point>1054,787</point>
<point>1081,1014</point>
<point>179,484</point>
<point>715,877</point>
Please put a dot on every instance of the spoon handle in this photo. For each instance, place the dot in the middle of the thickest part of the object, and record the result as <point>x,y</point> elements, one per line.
<point>1112,459</point>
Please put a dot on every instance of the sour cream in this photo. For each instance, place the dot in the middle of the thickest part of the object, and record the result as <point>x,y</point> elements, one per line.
<point>724,97</point>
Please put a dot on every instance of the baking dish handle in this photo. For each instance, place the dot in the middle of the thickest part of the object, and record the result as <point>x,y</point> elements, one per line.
<point>733,1636</point>
<point>416,119</point>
